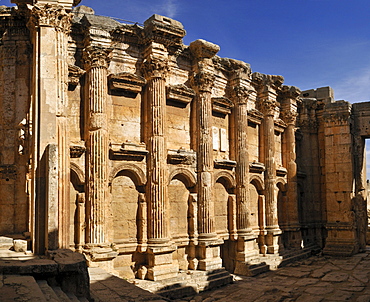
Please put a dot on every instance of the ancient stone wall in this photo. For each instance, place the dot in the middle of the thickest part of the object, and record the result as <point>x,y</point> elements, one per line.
<point>150,156</point>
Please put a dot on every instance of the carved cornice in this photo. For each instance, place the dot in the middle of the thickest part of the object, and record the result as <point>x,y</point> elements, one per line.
<point>225,164</point>
<point>50,16</point>
<point>267,82</point>
<point>255,116</point>
<point>256,167</point>
<point>128,151</point>
<point>155,68</point>
<point>290,92</point>
<point>202,49</point>
<point>97,56</point>
<point>183,157</point>
<point>164,31</point>
<point>203,81</point>
<point>126,81</point>
<point>222,105</point>
<point>180,93</point>
<point>74,74</point>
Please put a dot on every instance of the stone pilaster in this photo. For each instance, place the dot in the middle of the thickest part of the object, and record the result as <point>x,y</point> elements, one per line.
<point>289,97</point>
<point>49,26</point>
<point>97,61</point>
<point>202,81</point>
<point>267,87</point>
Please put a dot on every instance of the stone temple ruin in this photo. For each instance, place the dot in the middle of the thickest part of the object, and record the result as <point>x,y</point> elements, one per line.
<point>152,157</point>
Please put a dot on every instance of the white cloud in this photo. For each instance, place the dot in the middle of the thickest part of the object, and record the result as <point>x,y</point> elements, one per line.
<point>169,8</point>
<point>354,87</point>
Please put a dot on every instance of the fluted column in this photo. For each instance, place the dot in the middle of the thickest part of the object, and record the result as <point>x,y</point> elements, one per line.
<point>155,72</point>
<point>97,61</point>
<point>267,87</point>
<point>204,82</point>
<point>288,99</point>
<point>240,97</point>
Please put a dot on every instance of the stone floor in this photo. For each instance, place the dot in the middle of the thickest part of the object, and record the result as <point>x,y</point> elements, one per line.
<point>319,278</point>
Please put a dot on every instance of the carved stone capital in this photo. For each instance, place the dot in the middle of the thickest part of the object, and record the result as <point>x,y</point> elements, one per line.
<point>97,56</point>
<point>155,68</point>
<point>240,94</point>
<point>50,16</point>
<point>267,106</point>
<point>289,117</point>
<point>203,81</point>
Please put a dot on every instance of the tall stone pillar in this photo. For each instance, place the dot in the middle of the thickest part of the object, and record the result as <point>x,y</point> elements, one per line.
<point>267,88</point>
<point>240,92</point>
<point>50,26</point>
<point>155,71</point>
<point>202,82</point>
<point>289,97</point>
<point>97,61</point>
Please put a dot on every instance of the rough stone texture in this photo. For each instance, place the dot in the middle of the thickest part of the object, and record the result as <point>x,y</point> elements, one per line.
<point>152,157</point>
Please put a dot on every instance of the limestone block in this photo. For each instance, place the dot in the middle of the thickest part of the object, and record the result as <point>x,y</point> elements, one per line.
<point>20,245</point>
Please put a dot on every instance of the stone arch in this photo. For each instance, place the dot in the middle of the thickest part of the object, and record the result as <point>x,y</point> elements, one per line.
<point>78,173</point>
<point>131,170</point>
<point>258,182</point>
<point>188,177</point>
<point>226,179</point>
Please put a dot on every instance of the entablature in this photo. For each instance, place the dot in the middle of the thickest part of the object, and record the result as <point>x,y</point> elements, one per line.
<point>126,81</point>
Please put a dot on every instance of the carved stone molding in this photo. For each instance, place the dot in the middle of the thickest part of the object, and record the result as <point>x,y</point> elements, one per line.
<point>267,81</point>
<point>180,94</point>
<point>50,16</point>
<point>255,116</point>
<point>128,151</point>
<point>97,56</point>
<point>76,151</point>
<point>8,172</point>
<point>281,171</point>
<point>222,105</point>
<point>155,68</point>
<point>163,30</point>
<point>225,164</point>
<point>202,49</point>
<point>126,81</point>
<point>74,74</point>
<point>255,167</point>
<point>291,92</point>
<point>183,157</point>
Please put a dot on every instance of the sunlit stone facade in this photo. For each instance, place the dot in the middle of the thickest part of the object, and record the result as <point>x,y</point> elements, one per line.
<point>153,157</point>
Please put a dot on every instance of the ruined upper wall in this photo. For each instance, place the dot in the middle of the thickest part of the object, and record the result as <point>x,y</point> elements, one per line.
<point>67,4</point>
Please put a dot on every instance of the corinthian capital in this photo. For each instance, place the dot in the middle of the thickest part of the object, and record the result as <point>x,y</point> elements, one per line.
<point>289,117</point>
<point>267,106</point>
<point>203,81</point>
<point>240,94</point>
<point>155,68</point>
<point>97,56</point>
<point>50,16</point>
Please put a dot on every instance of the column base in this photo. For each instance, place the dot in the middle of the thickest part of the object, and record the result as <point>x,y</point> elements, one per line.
<point>272,240</point>
<point>161,263</point>
<point>100,257</point>
<point>209,255</point>
<point>341,247</point>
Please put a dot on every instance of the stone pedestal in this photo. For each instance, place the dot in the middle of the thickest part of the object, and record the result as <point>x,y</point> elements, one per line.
<point>161,264</point>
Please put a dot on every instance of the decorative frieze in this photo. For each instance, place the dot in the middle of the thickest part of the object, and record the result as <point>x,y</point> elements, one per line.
<point>128,151</point>
<point>222,106</point>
